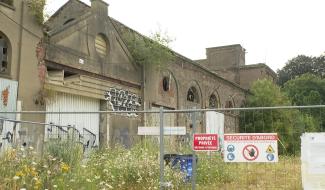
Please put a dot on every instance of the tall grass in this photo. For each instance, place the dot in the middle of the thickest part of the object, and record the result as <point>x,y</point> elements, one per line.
<point>61,167</point>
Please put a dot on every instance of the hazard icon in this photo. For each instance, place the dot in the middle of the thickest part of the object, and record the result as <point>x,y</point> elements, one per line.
<point>269,149</point>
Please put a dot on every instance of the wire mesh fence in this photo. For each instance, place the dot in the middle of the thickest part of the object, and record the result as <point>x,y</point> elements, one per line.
<point>136,159</point>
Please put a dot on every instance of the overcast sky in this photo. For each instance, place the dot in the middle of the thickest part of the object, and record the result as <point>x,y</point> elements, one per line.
<point>271,31</point>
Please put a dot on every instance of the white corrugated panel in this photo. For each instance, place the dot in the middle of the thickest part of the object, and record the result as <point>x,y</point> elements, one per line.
<point>8,100</point>
<point>62,102</point>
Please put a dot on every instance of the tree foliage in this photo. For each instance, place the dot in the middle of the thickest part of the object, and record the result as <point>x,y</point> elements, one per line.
<point>288,123</point>
<point>300,65</point>
<point>306,89</point>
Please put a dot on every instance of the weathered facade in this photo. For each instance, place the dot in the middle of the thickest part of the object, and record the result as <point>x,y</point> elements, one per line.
<point>19,35</point>
<point>82,63</point>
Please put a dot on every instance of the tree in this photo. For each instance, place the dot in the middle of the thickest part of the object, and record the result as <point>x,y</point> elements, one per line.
<point>288,123</point>
<point>308,89</point>
<point>300,65</point>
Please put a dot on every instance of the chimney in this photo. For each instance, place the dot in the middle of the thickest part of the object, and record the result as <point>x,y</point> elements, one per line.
<point>99,7</point>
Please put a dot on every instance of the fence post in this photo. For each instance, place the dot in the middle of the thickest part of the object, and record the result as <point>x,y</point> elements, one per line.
<point>161,145</point>
<point>194,157</point>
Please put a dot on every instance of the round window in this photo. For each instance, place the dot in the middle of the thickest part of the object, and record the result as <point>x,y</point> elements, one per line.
<point>101,45</point>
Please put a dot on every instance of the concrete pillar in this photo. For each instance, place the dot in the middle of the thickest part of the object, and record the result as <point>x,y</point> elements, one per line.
<point>104,125</point>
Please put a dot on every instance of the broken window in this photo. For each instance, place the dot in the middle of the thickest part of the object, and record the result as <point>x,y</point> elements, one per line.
<point>192,95</point>
<point>213,101</point>
<point>166,84</point>
<point>4,57</point>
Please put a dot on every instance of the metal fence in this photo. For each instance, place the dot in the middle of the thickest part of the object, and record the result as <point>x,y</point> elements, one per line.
<point>208,171</point>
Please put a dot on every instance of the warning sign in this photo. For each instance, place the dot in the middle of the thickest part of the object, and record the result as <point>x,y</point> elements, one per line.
<point>250,152</point>
<point>251,147</point>
<point>205,142</point>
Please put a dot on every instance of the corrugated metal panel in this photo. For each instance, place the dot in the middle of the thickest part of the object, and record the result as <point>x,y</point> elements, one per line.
<point>8,102</point>
<point>62,102</point>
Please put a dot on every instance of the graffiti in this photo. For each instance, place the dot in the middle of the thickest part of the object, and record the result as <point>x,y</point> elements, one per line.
<point>89,139</point>
<point>86,138</point>
<point>121,100</point>
<point>7,133</point>
<point>4,96</point>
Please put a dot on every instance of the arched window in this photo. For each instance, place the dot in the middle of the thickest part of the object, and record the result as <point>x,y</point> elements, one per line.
<point>4,54</point>
<point>165,83</point>
<point>213,101</point>
<point>101,45</point>
<point>192,95</point>
<point>229,104</point>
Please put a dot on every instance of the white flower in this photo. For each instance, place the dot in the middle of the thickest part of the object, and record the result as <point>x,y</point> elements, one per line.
<point>109,186</point>
<point>97,177</point>
<point>22,188</point>
<point>31,148</point>
<point>34,163</point>
<point>16,177</point>
<point>88,180</point>
<point>55,186</point>
<point>83,166</point>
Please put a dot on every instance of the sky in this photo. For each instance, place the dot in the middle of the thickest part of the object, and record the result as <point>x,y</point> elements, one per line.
<point>271,31</point>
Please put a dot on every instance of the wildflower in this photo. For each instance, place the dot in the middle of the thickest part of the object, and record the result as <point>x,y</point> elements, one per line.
<point>16,177</point>
<point>83,166</point>
<point>88,180</point>
<point>34,163</point>
<point>97,177</point>
<point>30,148</point>
<point>22,188</point>
<point>109,186</point>
<point>19,173</point>
<point>55,186</point>
<point>64,167</point>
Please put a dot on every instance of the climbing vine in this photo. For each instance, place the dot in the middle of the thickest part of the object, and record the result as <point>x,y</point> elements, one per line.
<point>153,50</point>
<point>36,8</point>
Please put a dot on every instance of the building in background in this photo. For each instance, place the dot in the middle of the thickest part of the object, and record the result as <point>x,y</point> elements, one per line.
<point>229,62</point>
<point>81,63</point>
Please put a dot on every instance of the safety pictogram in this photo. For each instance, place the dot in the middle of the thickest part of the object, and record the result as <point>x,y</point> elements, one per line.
<point>230,148</point>
<point>270,157</point>
<point>230,156</point>
<point>269,149</point>
<point>250,152</point>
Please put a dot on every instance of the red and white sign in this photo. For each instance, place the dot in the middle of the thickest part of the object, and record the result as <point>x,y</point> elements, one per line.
<point>205,142</point>
<point>251,147</point>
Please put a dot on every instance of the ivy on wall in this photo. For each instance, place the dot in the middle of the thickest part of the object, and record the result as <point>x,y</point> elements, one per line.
<point>36,8</point>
